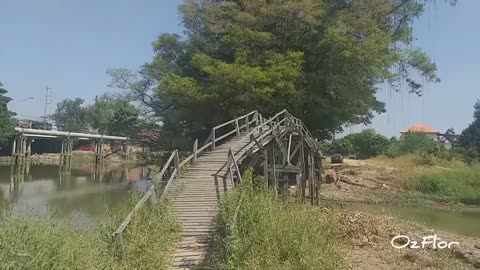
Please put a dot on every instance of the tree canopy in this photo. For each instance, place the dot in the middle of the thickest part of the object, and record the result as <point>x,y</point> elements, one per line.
<point>109,114</point>
<point>321,60</point>
<point>470,137</point>
<point>71,115</point>
<point>365,144</point>
<point>6,122</point>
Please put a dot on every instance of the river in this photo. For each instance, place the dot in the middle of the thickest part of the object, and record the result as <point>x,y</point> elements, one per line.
<point>83,192</point>
<point>464,222</point>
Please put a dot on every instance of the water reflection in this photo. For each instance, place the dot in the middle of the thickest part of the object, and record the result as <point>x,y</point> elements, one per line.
<point>83,191</point>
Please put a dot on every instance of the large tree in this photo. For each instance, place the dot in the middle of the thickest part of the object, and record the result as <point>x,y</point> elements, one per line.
<point>470,137</point>
<point>101,112</point>
<point>6,122</point>
<point>321,60</point>
<point>71,115</point>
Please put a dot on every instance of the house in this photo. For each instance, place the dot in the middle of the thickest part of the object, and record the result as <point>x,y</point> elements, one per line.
<point>428,131</point>
<point>424,129</point>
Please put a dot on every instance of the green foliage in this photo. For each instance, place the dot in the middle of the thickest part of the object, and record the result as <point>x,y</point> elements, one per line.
<point>6,121</point>
<point>125,121</point>
<point>320,60</point>
<point>453,185</point>
<point>34,243</point>
<point>368,143</point>
<point>343,146</point>
<point>101,112</point>
<point>71,115</point>
<point>365,144</point>
<point>418,143</point>
<point>110,114</point>
<point>470,138</point>
<point>268,234</point>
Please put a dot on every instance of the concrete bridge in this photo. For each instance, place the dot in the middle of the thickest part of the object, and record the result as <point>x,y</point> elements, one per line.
<point>280,148</point>
<point>22,143</point>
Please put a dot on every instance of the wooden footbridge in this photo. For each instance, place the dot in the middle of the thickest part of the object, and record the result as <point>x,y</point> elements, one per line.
<point>280,148</point>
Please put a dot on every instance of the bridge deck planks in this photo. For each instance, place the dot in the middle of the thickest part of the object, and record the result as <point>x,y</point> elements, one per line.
<point>194,198</point>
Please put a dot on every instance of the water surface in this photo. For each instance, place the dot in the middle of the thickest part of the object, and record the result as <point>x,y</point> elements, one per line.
<point>82,191</point>
<point>460,222</point>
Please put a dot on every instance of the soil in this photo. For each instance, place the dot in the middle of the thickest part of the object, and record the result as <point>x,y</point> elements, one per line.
<point>358,181</point>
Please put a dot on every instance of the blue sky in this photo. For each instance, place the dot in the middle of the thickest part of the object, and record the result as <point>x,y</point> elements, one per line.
<point>68,45</point>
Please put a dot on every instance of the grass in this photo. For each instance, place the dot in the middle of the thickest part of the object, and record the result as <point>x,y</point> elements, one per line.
<point>271,235</point>
<point>460,184</point>
<point>409,161</point>
<point>34,243</point>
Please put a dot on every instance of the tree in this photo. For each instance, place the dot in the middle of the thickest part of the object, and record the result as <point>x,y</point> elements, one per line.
<point>6,122</point>
<point>101,112</point>
<point>125,121</point>
<point>323,61</point>
<point>368,143</point>
<point>71,115</point>
<point>412,142</point>
<point>470,137</point>
<point>343,146</point>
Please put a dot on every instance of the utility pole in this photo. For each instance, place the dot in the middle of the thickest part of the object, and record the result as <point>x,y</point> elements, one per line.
<point>45,111</point>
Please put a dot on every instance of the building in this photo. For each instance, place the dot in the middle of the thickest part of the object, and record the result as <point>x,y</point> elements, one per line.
<point>424,129</point>
<point>428,131</point>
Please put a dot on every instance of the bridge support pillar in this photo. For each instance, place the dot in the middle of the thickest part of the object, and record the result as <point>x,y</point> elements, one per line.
<point>99,151</point>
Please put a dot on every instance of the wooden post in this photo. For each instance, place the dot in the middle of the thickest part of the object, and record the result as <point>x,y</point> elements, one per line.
<point>14,146</point>
<point>213,139</point>
<point>177,163</point>
<point>29,149</point>
<point>311,185</point>
<point>265,165</point>
<point>153,196</point>
<point>61,151</point>
<point>248,123</point>
<point>125,151</point>
<point>274,172</point>
<point>195,148</point>
<point>289,149</point>
<point>237,127</point>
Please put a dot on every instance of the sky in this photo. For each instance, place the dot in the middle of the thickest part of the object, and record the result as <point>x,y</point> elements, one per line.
<point>68,46</point>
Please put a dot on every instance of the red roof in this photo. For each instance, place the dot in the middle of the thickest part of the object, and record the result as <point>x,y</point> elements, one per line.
<point>420,128</point>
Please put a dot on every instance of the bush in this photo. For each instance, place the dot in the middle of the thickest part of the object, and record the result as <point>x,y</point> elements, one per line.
<point>365,144</point>
<point>271,235</point>
<point>34,243</point>
<point>419,144</point>
<point>455,185</point>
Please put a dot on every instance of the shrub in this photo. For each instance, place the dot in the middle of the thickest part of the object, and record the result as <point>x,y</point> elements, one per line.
<point>271,235</point>
<point>461,184</point>
<point>34,243</point>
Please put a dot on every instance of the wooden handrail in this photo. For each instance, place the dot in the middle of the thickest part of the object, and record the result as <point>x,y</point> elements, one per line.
<point>260,122</point>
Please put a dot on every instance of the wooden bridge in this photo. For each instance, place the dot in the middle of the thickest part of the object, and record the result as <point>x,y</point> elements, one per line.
<point>280,148</point>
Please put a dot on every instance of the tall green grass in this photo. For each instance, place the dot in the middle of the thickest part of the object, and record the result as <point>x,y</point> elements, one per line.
<point>34,243</point>
<point>460,184</point>
<point>268,234</point>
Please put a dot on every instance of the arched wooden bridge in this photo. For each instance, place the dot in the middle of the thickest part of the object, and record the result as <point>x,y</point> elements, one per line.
<point>281,148</point>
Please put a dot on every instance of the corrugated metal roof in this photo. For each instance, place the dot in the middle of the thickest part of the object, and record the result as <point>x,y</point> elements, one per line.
<point>420,128</point>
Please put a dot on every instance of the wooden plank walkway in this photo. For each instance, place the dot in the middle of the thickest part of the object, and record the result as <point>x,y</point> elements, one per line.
<point>194,198</point>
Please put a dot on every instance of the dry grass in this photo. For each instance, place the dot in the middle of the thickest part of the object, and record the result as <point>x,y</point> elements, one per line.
<point>34,243</point>
<point>271,235</point>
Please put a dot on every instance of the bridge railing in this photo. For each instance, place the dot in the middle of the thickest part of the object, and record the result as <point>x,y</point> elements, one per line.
<point>234,127</point>
<point>241,124</point>
<point>277,125</point>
